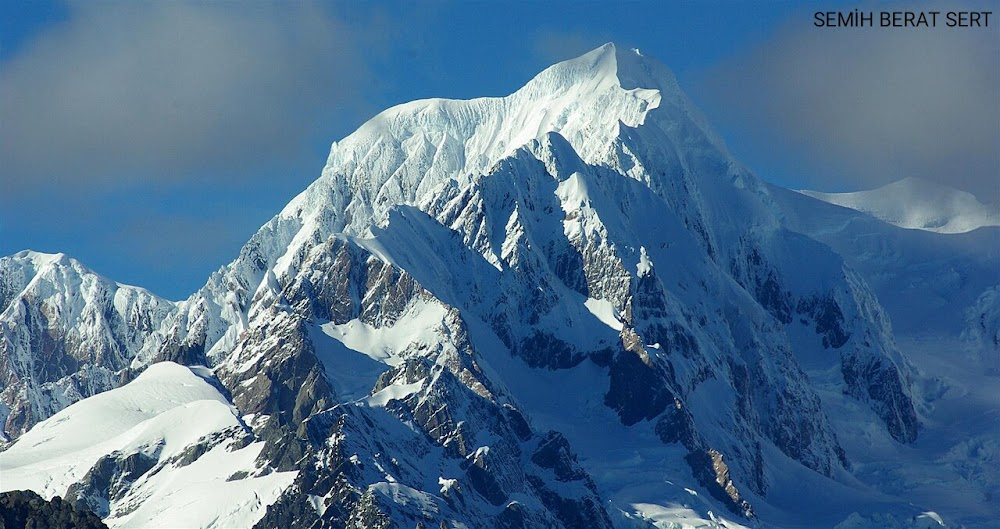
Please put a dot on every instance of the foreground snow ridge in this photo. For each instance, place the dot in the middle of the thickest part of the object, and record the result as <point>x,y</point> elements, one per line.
<point>153,425</point>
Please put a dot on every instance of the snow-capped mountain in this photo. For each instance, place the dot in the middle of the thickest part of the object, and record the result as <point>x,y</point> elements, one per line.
<point>918,204</point>
<point>66,333</point>
<point>567,307</point>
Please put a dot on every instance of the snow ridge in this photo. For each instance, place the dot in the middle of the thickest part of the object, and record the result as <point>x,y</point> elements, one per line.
<point>151,425</point>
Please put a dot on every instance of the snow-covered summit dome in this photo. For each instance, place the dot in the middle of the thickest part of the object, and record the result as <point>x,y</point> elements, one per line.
<point>918,204</point>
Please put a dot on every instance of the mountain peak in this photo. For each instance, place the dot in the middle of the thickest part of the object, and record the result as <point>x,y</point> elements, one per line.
<point>625,67</point>
<point>54,272</point>
<point>406,152</point>
<point>41,259</point>
<point>594,68</point>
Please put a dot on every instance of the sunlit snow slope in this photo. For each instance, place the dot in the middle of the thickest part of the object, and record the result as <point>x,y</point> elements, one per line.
<point>156,427</point>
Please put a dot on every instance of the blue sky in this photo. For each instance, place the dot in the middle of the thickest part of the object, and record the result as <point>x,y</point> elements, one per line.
<point>150,140</point>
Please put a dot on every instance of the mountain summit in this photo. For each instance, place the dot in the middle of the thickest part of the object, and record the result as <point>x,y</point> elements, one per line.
<point>568,307</point>
<point>403,154</point>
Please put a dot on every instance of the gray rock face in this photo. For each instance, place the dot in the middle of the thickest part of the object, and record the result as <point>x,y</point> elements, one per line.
<point>637,391</point>
<point>882,386</point>
<point>107,479</point>
<point>713,473</point>
<point>24,508</point>
<point>287,380</point>
<point>352,449</point>
<point>847,321</point>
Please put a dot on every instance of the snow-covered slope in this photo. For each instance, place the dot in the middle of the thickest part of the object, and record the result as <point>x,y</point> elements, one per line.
<point>165,450</point>
<point>928,282</point>
<point>941,292</point>
<point>918,204</point>
<point>567,307</point>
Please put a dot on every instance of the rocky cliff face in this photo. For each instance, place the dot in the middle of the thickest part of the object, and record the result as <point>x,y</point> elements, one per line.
<point>24,508</point>
<point>479,303</point>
